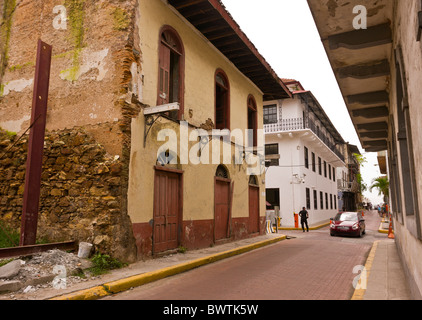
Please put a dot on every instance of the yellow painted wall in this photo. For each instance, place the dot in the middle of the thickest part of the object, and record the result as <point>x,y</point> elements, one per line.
<point>201,63</point>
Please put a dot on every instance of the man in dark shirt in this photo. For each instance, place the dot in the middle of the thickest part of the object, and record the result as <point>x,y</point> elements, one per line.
<point>304,219</point>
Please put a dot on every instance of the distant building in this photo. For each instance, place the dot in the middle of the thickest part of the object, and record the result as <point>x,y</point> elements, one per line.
<point>349,195</point>
<point>303,152</point>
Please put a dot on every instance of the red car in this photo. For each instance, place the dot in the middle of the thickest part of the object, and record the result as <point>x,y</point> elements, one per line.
<point>348,223</point>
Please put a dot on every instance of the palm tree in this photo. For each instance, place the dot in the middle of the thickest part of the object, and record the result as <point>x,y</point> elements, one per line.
<point>383,185</point>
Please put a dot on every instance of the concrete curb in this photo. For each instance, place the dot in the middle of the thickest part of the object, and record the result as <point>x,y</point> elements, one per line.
<point>382,230</point>
<point>360,292</point>
<point>141,279</point>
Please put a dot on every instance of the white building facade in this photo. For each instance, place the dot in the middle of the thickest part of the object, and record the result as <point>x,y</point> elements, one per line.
<point>302,150</point>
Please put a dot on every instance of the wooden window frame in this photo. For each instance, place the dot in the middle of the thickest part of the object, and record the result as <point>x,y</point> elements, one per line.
<point>269,116</point>
<point>226,111</point>
<point>252,107</point>
<point>180,51</point>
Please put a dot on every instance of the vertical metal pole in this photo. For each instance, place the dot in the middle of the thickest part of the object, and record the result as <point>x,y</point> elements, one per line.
<point>35,146</point>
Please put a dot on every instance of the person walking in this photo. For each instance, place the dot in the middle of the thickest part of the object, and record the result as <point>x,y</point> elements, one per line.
<point>304,216</point>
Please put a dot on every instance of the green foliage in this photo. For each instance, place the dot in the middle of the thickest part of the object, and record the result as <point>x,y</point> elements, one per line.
<point>8,236</point>
<point>102,263</point>
<point>5,261</point>
<point>182,249</point>
<point>362,185</point>
<point>361,161</point>
<point>382,184</point>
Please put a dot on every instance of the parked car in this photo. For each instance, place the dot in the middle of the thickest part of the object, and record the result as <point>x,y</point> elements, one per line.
<point>348,223</point>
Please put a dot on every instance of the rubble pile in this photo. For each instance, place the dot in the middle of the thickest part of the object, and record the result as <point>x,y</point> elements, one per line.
<point>42,270</point>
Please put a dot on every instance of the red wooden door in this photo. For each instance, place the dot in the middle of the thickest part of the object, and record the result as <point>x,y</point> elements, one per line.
<point>222,208</point>
<point>166,210</point>
<point>253,209</point>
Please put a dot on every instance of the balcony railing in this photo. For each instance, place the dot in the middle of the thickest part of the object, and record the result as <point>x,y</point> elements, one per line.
<point>285,125</point>
<point>294,124</point>
<point>347,186</point>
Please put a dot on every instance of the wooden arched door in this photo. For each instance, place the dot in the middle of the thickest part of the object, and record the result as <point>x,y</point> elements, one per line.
<point>254,223</point>
<point>222,204</point>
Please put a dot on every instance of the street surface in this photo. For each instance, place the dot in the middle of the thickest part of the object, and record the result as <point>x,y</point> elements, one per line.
<point>308,266</point>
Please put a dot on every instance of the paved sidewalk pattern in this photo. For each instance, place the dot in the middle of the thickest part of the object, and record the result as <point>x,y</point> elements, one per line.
<point>386,278</point>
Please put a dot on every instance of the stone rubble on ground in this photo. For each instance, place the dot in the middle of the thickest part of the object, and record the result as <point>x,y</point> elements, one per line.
<point>41,270</point>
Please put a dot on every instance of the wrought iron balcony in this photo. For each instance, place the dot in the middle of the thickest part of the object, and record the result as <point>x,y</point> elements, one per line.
<point>346,186</point>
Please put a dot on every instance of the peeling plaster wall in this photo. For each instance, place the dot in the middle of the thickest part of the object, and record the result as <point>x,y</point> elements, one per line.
<point>95,72</point>
<point>86,74</point>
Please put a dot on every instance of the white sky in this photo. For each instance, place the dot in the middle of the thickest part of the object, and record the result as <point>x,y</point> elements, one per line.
<point>285,34</point>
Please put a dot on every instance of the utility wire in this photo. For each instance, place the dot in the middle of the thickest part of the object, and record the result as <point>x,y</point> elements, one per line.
<point>7,150</point>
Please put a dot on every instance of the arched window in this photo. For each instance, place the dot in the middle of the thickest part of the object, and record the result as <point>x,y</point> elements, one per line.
<point>253,180</point>
<point>222,101</point>
<point>252,122</point>
<point>166,157</point>
<point>222,172</point>
<point>171,70</point>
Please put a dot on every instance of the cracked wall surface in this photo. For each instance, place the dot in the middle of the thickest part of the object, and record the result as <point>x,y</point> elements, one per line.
<point>93,81</point>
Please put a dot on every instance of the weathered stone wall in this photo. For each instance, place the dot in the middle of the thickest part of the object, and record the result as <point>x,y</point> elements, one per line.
<point>81,191</point>
<point>95,83</point>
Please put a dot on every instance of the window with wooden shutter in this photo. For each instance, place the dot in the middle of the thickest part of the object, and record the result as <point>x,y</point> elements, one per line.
<point>222,101</point>
<point>171,70</point>
<point>252,122</point>
<point>163,94</point>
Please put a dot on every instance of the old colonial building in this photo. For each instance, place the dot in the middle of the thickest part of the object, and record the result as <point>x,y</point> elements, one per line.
<point>349,192</point>
<point>376,54</point>
<point>199,58</point>
<point>131,161</point>
<point>303,151</point>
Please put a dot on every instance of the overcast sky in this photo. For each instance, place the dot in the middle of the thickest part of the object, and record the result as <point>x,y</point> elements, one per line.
<point>285,34</point>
